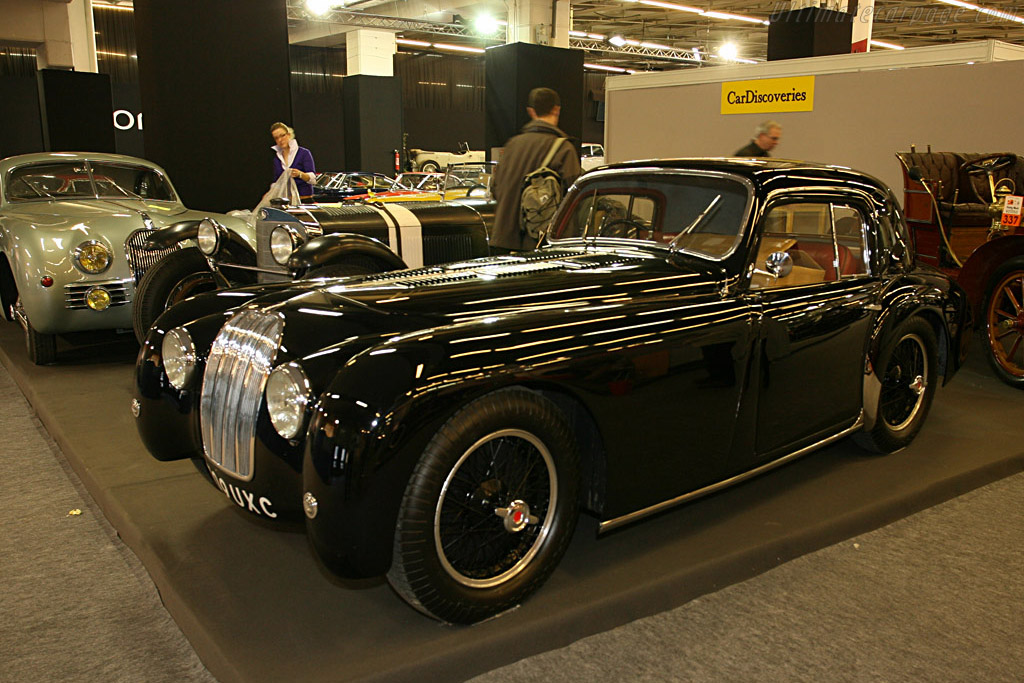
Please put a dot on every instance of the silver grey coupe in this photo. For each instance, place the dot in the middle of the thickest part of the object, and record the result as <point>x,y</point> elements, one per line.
<point>72,228</point>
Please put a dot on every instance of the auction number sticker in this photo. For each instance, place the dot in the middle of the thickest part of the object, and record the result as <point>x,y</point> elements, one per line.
<point>1011,210</point>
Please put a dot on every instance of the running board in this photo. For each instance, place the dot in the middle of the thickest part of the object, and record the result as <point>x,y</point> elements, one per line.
<point>707,490</point>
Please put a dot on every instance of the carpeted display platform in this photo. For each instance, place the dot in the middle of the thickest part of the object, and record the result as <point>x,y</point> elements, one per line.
<point>257,607</point>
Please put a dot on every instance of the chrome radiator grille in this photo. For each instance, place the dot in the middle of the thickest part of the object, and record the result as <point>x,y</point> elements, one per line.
<point>236,372</point>
<point>74,294</point>
<point>139,259</point>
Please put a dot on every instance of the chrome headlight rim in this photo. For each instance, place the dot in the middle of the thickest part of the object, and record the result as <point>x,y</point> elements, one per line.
<point>178,352</point>
<point>283,237</point>
<point>78,252</point>
<point>208,236</point>
<point>288,395</point>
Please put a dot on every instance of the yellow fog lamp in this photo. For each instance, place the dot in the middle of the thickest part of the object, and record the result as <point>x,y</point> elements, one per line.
<point>92,257</point>
<point>98,299</point>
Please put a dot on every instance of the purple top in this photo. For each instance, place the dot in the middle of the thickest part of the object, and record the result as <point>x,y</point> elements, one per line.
<point>304,162</point>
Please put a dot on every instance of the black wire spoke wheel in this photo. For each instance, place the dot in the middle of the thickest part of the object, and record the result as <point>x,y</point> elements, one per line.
<point>489,509</point>
<point>905,382</point>
<point>907,368</point>
<point>495,509</point>
<point>1004,325</point>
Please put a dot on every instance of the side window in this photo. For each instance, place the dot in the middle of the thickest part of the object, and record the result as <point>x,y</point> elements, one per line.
<point>824,241</point>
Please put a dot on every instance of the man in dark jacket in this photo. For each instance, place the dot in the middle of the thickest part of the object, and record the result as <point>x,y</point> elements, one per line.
<point>522,155</point>
<point>766,137</point>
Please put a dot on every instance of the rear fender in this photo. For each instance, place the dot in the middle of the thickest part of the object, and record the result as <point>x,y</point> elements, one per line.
<point>976,275</point>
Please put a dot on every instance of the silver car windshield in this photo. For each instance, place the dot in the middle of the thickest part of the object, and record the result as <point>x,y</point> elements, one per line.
<point>78,179</point>
<point>697,213</point>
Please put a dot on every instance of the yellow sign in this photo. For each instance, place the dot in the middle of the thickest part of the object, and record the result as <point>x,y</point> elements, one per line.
<point>767,95</point>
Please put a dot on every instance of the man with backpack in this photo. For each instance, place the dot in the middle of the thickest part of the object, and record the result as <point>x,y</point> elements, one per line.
<point>534,171</point>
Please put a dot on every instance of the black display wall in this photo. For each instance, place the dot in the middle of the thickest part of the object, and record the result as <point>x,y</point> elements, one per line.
<point>319,122</point>
<point>128,120</point>
<point>21,131</point>
<point>213,77</point>
<point>809,32</point>
<point>512,71</point>
<point>373,122</point>
<point>75,109</point>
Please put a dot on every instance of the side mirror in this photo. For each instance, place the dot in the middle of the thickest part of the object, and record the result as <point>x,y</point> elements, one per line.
<point>279,202</point>
<point>779,264</point>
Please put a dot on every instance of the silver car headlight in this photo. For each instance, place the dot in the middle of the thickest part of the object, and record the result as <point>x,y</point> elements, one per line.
<point>179,355</point>
<point>92,257</point>
<point>287,395</point>
<point>283,241</point>
<point>208,237</point>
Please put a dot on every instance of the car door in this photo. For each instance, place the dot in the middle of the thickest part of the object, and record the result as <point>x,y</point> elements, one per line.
<point>815,321</point>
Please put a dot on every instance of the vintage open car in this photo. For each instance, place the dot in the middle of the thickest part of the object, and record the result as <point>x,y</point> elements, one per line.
<point>689,324</point>
<point>323,240</point>
<point>431,162</point>
<point>954,204</point>
<point>335,187</point>
<point>72,228</point>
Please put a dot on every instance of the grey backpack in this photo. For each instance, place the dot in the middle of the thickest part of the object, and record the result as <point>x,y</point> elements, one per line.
<point>541,194</point>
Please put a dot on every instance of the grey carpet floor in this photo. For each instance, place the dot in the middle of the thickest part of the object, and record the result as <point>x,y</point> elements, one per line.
<point>75,602</point>
<point>938,596</point>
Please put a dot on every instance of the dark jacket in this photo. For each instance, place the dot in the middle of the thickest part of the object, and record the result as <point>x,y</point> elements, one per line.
<point>523,154</point>
<point>751,150</point>
<point>304,162</point>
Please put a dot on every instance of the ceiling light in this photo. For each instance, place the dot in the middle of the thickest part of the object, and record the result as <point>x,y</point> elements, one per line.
<point>617,40</point>
<point>602,67</point>
<point>671,6</point>
<point>891,46</point>
<point>595,36</point>
<point>319,7</point>
<point>736,17</point>
<point>728,51</point>
<point>458,48</point>
<point>985,10</point>
<point>578,34</point>
<point>485,25</point>
<point>656,46</point>
<point>414,43</point>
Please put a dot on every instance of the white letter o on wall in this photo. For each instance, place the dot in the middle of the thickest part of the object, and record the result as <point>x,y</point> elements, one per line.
<point>125,120</point>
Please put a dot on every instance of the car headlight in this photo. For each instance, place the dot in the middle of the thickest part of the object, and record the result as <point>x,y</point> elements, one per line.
<point>287,397</point>
<point>208,237</point>
<point>92,257</point>
<point>179,355</point>
<point>283,241</point>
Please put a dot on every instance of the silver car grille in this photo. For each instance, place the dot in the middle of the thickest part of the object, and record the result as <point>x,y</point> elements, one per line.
<point>119,291</point>
<point>236,373</point>
<point>140,260</point>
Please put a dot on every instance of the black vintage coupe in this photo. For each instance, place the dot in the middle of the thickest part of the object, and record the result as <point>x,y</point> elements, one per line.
<point>688,325</point>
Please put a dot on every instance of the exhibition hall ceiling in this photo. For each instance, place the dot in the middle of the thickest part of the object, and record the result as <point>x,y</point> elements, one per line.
<point>660,33</point>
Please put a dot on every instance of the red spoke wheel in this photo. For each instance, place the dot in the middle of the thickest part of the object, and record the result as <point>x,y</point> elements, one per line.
<point>1004,323</point>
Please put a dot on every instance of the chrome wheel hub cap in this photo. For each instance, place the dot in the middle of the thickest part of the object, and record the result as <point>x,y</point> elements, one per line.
<point>516,516</point>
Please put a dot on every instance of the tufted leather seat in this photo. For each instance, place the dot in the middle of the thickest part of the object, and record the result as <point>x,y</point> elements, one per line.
<point>823,255</point>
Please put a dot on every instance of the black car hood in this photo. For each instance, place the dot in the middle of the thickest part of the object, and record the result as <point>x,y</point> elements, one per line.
<point>550,281</point>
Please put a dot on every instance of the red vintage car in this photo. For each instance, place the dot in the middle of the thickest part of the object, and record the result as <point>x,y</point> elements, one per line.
<point>964,212</point>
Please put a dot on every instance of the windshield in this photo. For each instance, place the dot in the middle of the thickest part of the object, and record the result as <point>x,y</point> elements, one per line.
<point>469,175</point>
<point>699,213</point>
<point>73,180</point>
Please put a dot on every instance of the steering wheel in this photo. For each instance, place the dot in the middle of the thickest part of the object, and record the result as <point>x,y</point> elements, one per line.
<point>988,163</point>
<point>621,227</point>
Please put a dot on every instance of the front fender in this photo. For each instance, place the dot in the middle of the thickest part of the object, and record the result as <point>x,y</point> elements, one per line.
<point>335,247</point>
<point>368,431</point>
<point>234,247</point>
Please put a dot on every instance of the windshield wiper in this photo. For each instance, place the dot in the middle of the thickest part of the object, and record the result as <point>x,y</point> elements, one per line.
<point>710,210</point>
